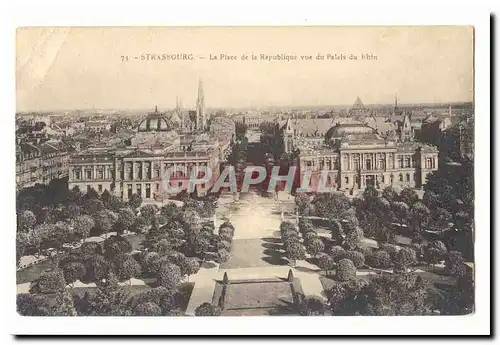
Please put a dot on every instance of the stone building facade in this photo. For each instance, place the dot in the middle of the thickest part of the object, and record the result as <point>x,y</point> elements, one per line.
<point>39,163</point>
<point>145,166</point>
<point>355,155</point>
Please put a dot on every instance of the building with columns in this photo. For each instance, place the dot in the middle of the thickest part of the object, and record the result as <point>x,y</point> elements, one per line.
<point>354,155</point>
<point>144,166</point>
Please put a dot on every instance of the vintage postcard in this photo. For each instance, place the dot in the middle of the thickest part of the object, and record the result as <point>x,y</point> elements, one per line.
<point>245,171</point>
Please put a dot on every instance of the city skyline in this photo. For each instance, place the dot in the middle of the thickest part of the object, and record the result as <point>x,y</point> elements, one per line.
<point>410,61</point>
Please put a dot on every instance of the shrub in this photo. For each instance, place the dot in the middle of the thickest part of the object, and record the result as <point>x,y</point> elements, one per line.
<point>147,309</point>
<point>326,262</point>
<point>345,270</point>
<point>391,249</point>
<point>169,276</point>
<point>222,256</point>
<point>49,282</point>
<point>405,257</point>
<point>207,309</point>
<point>454,264</point>
<point>357,258</point>
<point>337,252</point>
<point>315,246</point>
<point>379,259</point>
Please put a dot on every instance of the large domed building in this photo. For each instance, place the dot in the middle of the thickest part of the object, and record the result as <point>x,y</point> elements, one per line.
<point>354,155</point>
<point>155,122</point>
<point>155,130</point>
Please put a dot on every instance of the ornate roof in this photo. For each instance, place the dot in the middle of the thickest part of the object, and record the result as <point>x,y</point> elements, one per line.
<point>155,122</point>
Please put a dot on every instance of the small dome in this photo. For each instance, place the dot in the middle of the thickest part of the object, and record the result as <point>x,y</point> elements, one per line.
<point>155,122</point>
<point>341,130</point>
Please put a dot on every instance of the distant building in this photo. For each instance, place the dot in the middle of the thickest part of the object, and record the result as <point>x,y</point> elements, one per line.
<point>359,110</point>
<point>40,163</point>
<point>158,146</point>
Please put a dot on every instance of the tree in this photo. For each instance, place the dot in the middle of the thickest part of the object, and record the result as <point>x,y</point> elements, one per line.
<point>370,194</point>
<point>26,221</point>
<point>135,201</point>
<point>33,305</point>
<point>201,246</point>
<point>148,262</point>
<point>49,282</point>
<point>311,306</point>
<point>460,299</point>
<point>105,220</point>
<point>345,270</point>
<point>162,247</point>
<point>454,264</point>
<point>330,204</point>
<point>73,271</point>
<point>420,216</point>
<point>64,305</point>
<point>192,266</point>
<point>108,299</point>
<point>222,256</point>
<point>442,218</point>
<point>390,248</point>
<point>92,206</point>
<point>147,309</point>
<point>60,233</point>
<point>310,236</point>
<point>38,235</point>
<point>315,246</point>
<point>90,248</point>
<point>379,259</point>
<point>408,196</point>
<point>394,294</point>
<point>325,262</point>
<point>431,200</point>
<point>115,204</point>
<point>96,268</point>
<point>401,211</point>
<point>126,218</point>
<point>127,269</point>
<point>353,238</point>
<point>357,258</point>
<point>82,226</point>
<point>389,194</point>
<point>22,245</point>
<point>405,257</point>
<point>337,230</point>
<point>141,225</point>
<point>337,253</point>
<point>226,245</point>
<point>207,309</point>
<point>116,245</point>
<point>302,201</point>
<point>149,212</point>
<point>169,210</point>
<point>295,251</point>
<point>169,276</point>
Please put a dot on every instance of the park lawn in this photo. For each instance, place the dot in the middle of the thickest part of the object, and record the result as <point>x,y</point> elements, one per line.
<point>28,274</point>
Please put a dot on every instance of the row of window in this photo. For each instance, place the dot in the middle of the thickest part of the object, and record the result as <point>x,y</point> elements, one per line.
<point>402,178</point>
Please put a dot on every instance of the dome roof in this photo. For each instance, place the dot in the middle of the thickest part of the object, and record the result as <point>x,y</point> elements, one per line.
<point>155,122</point>
<point>342,130</point>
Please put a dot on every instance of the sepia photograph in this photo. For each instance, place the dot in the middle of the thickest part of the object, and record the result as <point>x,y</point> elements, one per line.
<point>245,171</point>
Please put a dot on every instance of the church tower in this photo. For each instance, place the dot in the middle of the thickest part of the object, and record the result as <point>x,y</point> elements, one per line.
<point>201,120</point>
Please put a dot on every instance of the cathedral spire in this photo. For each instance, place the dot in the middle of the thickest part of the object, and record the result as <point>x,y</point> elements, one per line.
<point>201,121</point>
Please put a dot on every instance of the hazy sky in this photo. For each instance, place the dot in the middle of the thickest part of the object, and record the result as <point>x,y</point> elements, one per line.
<point>78,68</point>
